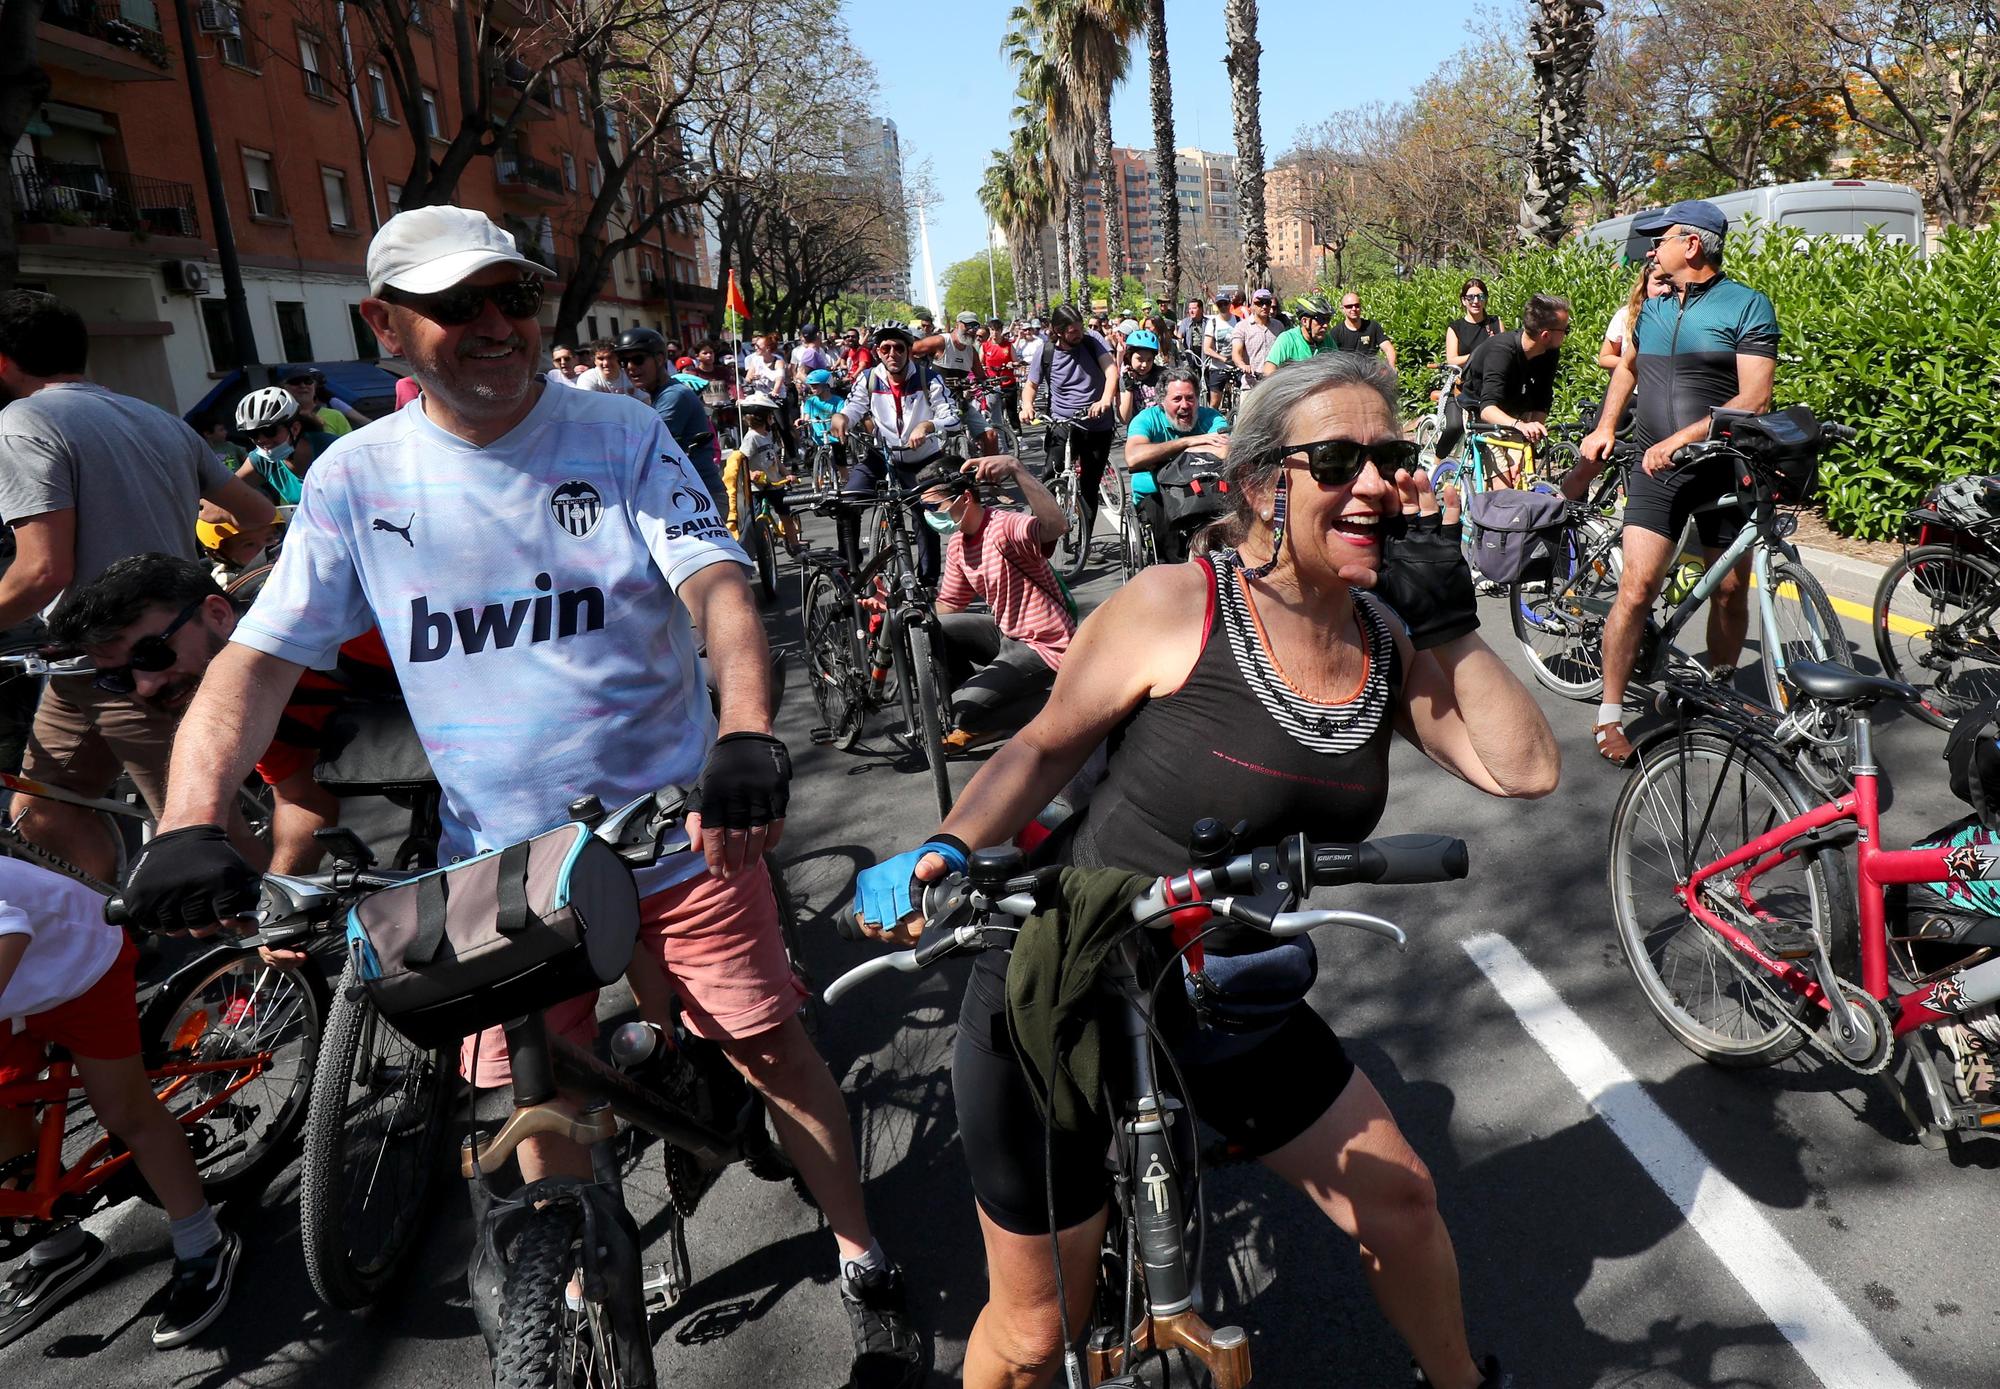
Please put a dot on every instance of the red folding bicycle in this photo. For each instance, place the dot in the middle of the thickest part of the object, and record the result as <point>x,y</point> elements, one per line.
<point>1732,895</point>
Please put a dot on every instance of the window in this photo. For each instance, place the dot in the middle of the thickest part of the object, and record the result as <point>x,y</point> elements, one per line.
<point>338,214</point>
<point>395,191</point>
<point>378,94</point>
<point>596,179</point>
<point>261,178</point>
<point>309,65</point>
<point>569,172</point>
<point>229,43</point>
<point>223,353</point>
<point>582,113</point>
<point>614,326</point>
<point>293,336</point>
<point>366,348</point>
<point>417,14</point>
<point>432,126</point>
<point>555,89</point>
<point>590,328</point>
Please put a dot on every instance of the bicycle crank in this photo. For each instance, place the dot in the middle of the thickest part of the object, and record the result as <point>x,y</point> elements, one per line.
<point>1860,1037</point>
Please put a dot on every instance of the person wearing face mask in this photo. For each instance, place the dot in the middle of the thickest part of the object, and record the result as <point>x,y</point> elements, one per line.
<point>284,447</point>
<point>1261,683</point>
<point>1001,662</point>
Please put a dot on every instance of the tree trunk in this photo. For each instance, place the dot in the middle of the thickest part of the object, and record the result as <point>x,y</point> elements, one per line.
<point>1562,40</point>
<point>1163,150</point>
<point>1079,257</point>
<point>23,85</point>
<point>1239,32</point>
<point>1112,198</point>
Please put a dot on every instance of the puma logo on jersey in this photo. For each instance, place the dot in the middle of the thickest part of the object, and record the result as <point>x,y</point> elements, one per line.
<point>403,530</point>
<point>499,625</point>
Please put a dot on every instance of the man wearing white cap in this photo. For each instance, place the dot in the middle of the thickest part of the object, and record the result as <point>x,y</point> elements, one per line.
<point>539,561</point>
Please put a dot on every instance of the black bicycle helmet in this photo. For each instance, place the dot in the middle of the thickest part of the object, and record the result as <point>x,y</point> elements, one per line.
<point>893,332</point>
<point>642,340</point>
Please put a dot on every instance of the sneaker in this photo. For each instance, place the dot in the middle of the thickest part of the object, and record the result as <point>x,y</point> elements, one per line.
<point>888,1353</point>
<point>197,1293</point>
<point>34,1290</point>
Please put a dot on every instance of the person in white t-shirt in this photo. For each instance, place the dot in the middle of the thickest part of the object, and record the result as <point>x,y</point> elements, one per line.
<point>67,979</point>
<point>558,664</point>
<point>606,377</point>
<point>1648,286</point>
<point>766,372</point>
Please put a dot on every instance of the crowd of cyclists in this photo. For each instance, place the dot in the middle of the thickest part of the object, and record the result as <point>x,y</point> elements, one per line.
<point>610,485</point>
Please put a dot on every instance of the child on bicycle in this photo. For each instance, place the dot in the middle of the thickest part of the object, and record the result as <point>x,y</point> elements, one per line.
<point>67,980</point>
<point>751,465</point>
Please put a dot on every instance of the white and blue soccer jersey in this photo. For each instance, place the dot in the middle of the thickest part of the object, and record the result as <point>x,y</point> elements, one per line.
<point>526,593</point>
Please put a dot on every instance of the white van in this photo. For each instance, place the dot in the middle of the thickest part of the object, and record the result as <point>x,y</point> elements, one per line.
<point>1842,207</point>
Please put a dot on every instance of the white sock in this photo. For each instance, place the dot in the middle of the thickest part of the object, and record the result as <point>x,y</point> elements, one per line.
<point>1610,713</point>
<point>194,1235</point>
<point>867,1263</point>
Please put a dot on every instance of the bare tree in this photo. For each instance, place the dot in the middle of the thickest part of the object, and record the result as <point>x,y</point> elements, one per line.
<point>1620,134</point>
<point>1562,39</point>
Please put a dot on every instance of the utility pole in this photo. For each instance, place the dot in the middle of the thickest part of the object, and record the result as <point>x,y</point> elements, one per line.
<point>218,205</point>
<point>992,281</point>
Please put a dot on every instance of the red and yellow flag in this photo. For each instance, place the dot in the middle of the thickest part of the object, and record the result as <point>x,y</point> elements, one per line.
<point>737,304</point>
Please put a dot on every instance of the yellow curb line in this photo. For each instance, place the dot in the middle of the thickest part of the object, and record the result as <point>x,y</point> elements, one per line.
<point>1902,626</point>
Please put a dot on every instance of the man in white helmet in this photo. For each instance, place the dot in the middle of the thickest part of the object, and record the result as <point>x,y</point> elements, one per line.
<point>88,477</point>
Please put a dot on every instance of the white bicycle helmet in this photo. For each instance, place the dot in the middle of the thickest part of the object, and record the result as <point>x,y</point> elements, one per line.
<point>263,408</point>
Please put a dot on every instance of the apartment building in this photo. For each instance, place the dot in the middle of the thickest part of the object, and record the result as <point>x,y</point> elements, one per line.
<point>1203,181</point>
<point>113,216</point>
<point>1292,229</point>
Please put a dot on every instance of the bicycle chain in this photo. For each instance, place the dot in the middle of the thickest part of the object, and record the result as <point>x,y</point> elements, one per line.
<point>1782,1005</point>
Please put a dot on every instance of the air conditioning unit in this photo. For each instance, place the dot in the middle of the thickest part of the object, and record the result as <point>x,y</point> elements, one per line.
<point>186,276</point>
<point>214,17</point>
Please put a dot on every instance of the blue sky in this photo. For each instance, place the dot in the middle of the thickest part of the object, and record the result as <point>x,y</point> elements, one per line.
<point>948,90</point>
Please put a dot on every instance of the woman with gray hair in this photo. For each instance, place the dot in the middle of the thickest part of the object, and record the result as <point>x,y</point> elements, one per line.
<point>1258,684</point>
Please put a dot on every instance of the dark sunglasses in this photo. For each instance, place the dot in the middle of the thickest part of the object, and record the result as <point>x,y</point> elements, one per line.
<point>461,304</point>
<point>150,653</point>
<point>1475,299</point>
<point>1337,462</point>
<point>633,359</point>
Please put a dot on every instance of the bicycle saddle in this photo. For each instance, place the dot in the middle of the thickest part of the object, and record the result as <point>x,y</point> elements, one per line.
<point>1834,684</point>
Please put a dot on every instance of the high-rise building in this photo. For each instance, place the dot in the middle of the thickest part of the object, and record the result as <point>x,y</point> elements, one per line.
<point>1289,218</point>
<point>1203,181</point>
<point>875,154</point>
<point>113,219</point>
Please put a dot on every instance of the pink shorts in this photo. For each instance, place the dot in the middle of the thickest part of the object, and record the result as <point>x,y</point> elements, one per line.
<point>719,946</point>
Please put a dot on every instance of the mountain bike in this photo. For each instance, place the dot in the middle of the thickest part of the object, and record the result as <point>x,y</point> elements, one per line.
<point>1736,907</point>
<point>871,637</point>
<point>1561,626</point>
<point>229,1046</point>
<point>1934,609</point>
<point>1065,482</point>
<point>1149,1275</point>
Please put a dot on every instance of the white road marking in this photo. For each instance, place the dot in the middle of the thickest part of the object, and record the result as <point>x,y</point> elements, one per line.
<point>1826,1335</point>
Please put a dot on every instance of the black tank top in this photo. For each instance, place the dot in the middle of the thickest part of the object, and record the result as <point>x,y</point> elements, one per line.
<point>1471,334</point>
<point>1238,743</point>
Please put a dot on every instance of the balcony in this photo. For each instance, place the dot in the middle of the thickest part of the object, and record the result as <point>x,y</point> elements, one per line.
<point>652,284</point>
<point>525,177</point>
<point>59,195</point>
<point>687,292</point>
<point>509,85</point>
<point>109,40</point>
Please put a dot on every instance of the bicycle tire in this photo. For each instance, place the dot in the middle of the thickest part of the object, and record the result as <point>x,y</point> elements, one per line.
<point>1818,635</point>
<point>539,1345</point>
<point>201,1014</point>
<point>1949,588</point>
<point>928,694</point>
<point>794,938</point>
<point>1557,621</point>
<point>374,1116</point>
<point>766,547</point>
<point>833,660</point>
<point>1677,961</point>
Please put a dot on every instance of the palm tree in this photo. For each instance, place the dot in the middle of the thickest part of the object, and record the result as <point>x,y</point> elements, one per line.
<point>1035,191</point>
<point>1239,31</point>
<point>1048,99</point>
<point>1563,40</point>
<point>1163,141</point>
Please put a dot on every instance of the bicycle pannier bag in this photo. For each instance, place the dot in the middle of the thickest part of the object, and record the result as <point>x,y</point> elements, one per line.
<point>1194,490</point>
<point>503,934</point>
<point>1507,524</point>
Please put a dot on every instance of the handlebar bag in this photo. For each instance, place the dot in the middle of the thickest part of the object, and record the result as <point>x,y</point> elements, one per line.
<point>1782,448</point>
<point>1241,999</point>
<point>1194,490</point>
<point>508,932</point>
<point>1507,527</point>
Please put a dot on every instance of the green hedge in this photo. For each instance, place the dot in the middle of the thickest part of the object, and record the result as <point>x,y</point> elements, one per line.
<point>1903,349</point>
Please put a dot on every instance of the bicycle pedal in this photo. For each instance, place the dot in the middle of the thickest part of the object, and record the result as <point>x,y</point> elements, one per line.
<point>821,736</point>
<point>661,1289</point>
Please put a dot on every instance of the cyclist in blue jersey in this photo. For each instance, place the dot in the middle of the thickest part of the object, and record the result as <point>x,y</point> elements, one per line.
<point>1179,423</point>
<point>1711,343</point>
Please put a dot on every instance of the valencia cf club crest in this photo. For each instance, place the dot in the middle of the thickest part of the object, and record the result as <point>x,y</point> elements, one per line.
<point>576,507</point>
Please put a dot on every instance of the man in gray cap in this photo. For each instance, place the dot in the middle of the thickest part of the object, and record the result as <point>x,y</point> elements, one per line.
<point>1712,342</point>
<point>540,561</point>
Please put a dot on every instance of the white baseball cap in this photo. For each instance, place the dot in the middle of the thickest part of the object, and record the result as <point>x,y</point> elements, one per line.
<point>429,249</point>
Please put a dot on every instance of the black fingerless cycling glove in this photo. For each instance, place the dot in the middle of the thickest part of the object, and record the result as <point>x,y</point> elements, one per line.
<point>1425,579</point>
<point>187,880</point>
<point>747,782</point>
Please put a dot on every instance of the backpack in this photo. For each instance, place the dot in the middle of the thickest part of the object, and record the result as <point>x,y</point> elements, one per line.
<point>1509,528</point>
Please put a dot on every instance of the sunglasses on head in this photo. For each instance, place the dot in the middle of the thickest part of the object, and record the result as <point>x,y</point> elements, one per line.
<point>1337,462</point>
<point>461,304</point>
<point>151,653</point>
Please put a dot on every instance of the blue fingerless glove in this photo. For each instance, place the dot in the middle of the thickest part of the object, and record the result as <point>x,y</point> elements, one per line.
<point>882,894</point>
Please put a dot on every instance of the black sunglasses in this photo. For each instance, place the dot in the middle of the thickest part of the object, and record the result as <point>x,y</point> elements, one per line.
<point>1337,462</point>
<point>150,653</point>
<point>633,359</point>
<point>461,304</point>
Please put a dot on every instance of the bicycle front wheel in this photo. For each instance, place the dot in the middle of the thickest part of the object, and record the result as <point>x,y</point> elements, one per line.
<point>1934,629</point>
<point>928,692</point>
<point>1559,620</point>
<point>232,1043</point>
<point>833,657</point>
<point>546,1342</point>
<point>765,540</point>
<point>1808,629</point>
<point>1688,803</point>
<point>375,1139</point>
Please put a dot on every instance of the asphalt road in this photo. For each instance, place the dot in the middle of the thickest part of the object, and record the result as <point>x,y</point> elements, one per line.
<point>1692,1227</point>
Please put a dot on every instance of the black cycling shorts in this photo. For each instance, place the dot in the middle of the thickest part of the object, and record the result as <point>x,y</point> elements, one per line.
<point>1261,1100</point>
<point>1663,504</point>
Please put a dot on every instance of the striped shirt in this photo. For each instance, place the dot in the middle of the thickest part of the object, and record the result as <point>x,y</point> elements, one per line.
<point>1004,565</point>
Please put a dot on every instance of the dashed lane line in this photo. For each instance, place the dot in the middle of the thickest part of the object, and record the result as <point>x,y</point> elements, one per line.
<point>1827,1336</point>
